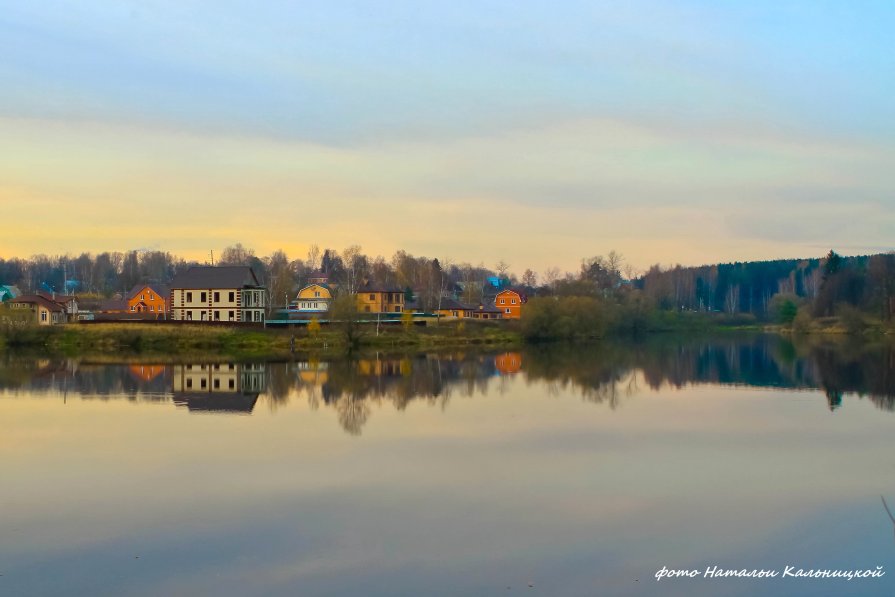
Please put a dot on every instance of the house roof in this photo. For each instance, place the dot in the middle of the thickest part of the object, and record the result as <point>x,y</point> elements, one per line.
<point>223,402</point>
<point>488,309</point>
<point>36,299</point>
<point>224,276</point>
<point>56,298</point>
<point>113,305</point>
<point>522,296</point>
<point>320,284</point>
<point>448,304</point>
<point>159,289</point>
<point>377,288</point>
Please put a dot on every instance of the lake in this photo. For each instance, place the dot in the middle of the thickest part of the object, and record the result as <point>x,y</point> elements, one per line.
<point>552,470</point>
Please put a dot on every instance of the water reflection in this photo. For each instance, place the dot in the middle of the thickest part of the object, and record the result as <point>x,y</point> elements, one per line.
<point>219,387</point>
<point>605,374</point>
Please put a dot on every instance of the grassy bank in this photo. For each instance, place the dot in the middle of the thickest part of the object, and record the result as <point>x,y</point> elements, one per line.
<point>169,340</point>
<point>182,340</point>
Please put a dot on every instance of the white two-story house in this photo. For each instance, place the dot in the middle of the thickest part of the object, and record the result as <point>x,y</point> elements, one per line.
<point>225,293</point>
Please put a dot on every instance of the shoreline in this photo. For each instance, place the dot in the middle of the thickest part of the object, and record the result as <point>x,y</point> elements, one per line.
<point>164,341</point>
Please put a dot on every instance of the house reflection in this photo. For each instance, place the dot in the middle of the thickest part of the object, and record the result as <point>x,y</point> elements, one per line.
<point>508,363</point>
<point>219,387</point>
<point>606,373</point>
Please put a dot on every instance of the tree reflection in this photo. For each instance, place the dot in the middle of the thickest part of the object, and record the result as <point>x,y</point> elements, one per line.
<point>606,373</point>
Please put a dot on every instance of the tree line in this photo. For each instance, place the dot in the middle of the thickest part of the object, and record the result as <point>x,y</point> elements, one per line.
<point>766,290</point>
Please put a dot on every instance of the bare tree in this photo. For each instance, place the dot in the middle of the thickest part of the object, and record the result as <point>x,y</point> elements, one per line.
<point>236,255</point>
<point>281,278</point>
<point>529,279</point>
<point>551,276</point>
<point>355,264</point>
<point>313,261</point>
<point>502,268</point>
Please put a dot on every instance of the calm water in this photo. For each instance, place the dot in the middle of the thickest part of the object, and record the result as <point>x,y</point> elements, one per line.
<point>553,472</point>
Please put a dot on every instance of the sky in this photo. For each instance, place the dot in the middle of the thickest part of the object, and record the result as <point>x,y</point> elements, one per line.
<point>537,133</point>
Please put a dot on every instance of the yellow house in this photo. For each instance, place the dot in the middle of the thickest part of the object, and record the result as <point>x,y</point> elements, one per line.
<point>313,298</point>
<point>380,300</point>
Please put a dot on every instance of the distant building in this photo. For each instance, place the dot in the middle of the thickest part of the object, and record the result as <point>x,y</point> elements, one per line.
<point>224,293</point>
<point>451,309</point>
<point>113,307</point>
<point>487,312</point>
<point>372,299</point>
<point>318,277</point>
<point>149,298</point>
<point>41,310</point>
<point>313,298</point>
<point>510,303</point>
<point>67,301</point>
<point>8,292</point>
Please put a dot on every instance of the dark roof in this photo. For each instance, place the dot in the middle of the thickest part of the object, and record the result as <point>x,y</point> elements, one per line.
<point>489,309</point>
<point>224,402</point>
<point>452,305</point>
<point>224,276</point>
<point>113,305</point>
<point>159,289</point>
<point>377,288</point>
<point>35,299</point>
<point>56,298</point>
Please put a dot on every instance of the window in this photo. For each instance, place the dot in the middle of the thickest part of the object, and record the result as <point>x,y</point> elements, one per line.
<point>142,297</point>
<point>217,384</point>
<point>513,301</point>
<point>151,308</point>
<point>372,297</point>
<point>217,297</point>
<point>230,315</point>
<point>43,315</point>
<point>231,297</point>
<point>189,297</point>
<point>217,315</point>
<point>397,309</point>
<point>203,297</point>
<point>316,294</point>
<point>507,309</point>
<point>133,307</point>
<point>231,383</point>
<point>189,315</point>
<point>502,301</point>
<point>189,383</point>
<point>204,383</point>
<point>367,308</point>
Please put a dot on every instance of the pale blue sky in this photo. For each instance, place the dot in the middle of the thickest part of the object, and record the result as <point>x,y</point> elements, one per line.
<point>725,130</point>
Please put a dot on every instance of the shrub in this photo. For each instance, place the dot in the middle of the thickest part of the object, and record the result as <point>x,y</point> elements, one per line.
<point>563,318</point>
